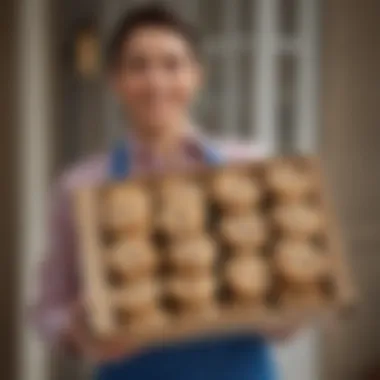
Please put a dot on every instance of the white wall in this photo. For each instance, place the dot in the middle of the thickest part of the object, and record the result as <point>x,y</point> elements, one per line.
<point>35,109</point>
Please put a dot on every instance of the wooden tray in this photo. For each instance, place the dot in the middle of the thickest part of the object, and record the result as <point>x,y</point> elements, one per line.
<point>231,319</point>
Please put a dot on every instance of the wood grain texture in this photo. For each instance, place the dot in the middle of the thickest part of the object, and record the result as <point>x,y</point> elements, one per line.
<point>229,319</point>
<point>94,291</point>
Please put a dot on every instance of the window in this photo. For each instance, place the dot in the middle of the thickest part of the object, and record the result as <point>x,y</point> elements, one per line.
<point>262,69</point>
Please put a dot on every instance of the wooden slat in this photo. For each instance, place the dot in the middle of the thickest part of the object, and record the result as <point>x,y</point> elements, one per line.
<point>94,289</point>
<point>346,291</point>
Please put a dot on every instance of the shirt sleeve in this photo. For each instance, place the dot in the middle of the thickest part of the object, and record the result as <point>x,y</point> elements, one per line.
<point>58,280</point>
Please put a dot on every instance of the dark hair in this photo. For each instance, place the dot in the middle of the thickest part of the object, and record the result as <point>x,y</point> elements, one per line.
<point>150,15</point>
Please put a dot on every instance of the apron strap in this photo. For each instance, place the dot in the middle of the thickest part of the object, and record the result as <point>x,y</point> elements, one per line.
<point>211,156</point>
<point>120,161</point>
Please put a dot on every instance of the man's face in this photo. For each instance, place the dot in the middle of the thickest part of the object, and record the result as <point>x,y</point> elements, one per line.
<point>158,79</point>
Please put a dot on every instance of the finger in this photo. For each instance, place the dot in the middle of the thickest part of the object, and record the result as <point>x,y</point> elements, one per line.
<point>107,352</point>
<point>78,331</point>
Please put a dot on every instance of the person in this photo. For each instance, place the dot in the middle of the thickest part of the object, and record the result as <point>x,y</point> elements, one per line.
<point>155,69</point>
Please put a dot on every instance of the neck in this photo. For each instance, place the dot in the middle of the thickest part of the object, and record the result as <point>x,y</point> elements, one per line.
<point>165,142</point>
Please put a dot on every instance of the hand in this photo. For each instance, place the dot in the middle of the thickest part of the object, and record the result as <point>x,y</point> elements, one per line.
<point>105,351</point>
<point>282,333</point>
<point>83,342</point>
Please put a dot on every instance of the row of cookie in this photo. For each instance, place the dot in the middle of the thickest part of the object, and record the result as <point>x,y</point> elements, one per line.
<point>251,231</point>
<point>138,258</point>
<point>191,254</point>
<point>245,229</point>
<point>247,279</point>
<point>194,297</point>
<point>248,230</point>
<point>192,285</point>
<point>302,268</point>
<point>237,191</point>
<point>128,208</point>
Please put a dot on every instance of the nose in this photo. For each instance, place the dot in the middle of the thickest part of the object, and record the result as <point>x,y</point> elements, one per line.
<point>155,78</point>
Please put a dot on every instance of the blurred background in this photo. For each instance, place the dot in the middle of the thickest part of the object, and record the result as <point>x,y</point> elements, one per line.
<point>287,75</point>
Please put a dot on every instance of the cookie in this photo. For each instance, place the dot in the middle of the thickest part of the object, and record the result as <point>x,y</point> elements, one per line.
<point>179,220</point>
<point>132,258</point>
<point>126,209</point>
<point>192,293</point>
<point>298,220</point>
<point>138,298</point>
<point>299,263</point>
<point>247,278</point>
<point>193,256</point>
<point>176,190</point>
<point>289,181</point>
<point>244,231</point>
<point>235,192</point>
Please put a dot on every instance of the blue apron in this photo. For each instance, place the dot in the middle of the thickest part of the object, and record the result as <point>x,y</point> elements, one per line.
<point>228,358</point>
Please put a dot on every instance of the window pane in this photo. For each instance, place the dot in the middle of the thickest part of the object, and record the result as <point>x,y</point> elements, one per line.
<point>288,17</point>
<point>210,105</point>
<point>246,99</point>
<point>246,16</point>
<point>287,102</point>
<point>215,74</point>
<point>210,116</point>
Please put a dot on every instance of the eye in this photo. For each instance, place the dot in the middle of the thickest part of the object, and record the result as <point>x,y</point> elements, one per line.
<point>172,63</point>
<point>136,64</point>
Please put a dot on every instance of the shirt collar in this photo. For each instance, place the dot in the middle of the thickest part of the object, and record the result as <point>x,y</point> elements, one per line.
<point>191,145</point>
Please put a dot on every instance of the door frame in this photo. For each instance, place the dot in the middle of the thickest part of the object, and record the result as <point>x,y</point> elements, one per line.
<point>35,105</point>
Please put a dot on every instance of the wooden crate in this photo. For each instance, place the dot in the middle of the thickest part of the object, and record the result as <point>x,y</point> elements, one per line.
<point>96,290</point>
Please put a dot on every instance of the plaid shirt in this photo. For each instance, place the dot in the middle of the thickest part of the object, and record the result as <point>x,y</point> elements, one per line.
<point>59,278</point>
